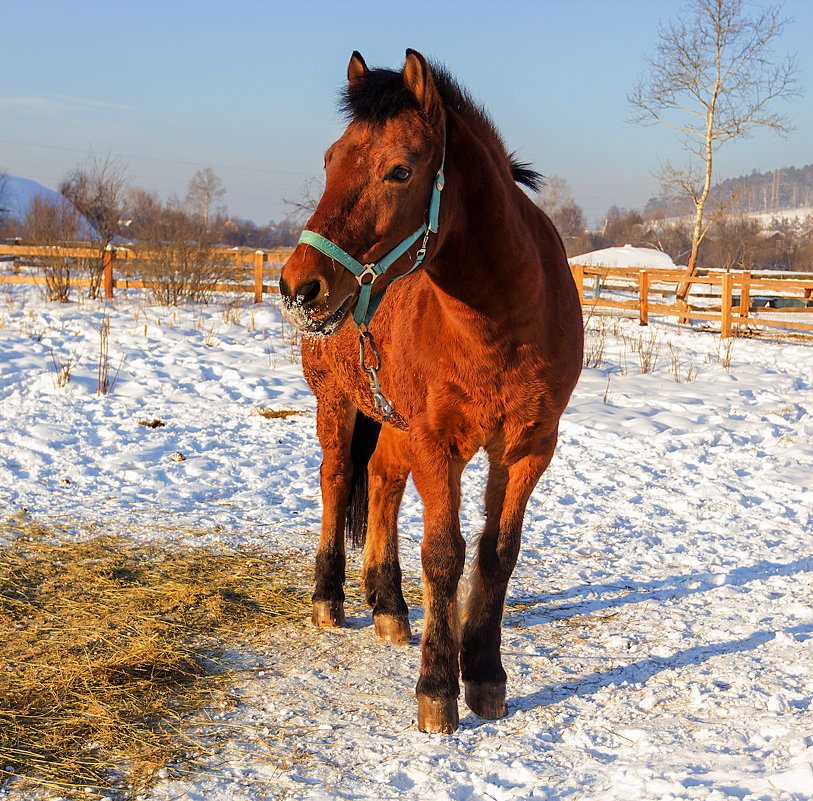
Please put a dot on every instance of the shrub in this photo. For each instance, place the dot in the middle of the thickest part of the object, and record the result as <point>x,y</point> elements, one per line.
<point>181,263</point>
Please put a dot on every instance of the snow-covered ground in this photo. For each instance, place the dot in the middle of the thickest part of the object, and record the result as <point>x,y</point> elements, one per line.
<point>659,630</point>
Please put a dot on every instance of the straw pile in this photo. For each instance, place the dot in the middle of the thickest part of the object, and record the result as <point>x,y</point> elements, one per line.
<point>109,646</point>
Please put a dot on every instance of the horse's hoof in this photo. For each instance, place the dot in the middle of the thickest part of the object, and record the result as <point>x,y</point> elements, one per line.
<point>437,715</point>
<point>486,699</point>
<point>328,614</point>
<point>393,628</point>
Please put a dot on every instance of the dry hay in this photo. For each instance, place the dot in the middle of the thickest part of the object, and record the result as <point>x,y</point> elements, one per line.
<point>109,645</point>
<point>279,414</point>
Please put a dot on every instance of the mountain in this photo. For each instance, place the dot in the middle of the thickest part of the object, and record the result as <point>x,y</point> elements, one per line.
<point>17,195</point>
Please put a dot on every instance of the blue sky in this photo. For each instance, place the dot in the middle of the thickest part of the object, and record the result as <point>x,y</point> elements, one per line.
<point>249,88</point>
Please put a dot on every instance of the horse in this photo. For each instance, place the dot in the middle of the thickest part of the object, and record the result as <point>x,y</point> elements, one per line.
<point>439,318</point>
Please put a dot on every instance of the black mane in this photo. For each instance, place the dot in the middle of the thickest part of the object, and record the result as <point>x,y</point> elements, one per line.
<point>380,95</point>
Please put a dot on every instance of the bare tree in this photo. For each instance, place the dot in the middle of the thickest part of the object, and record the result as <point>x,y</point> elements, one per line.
<point>181,260</point>
<point>673,237</point>
<point>303,206</point>
<point>554,194</point>
<point>735,240</point>
<point>712,79</point>
<point>50,221</point>
<point>142,209</point>
<point>203,192</point>
<point>555,198</point>
<point>621,227</point>
<point>98,189</point>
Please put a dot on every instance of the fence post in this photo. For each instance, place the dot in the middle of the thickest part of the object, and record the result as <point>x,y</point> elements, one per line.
<point>107,270</point>
<point>727,285</point>
<point>259,264</point>
<point>578,277</point>
<point>745,297</point>
<point>643,297</point>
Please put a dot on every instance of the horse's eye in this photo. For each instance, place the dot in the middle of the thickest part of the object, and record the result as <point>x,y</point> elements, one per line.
<point>399,174</point>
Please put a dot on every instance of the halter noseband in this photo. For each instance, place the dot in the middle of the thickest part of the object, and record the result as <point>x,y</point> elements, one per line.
<point>366,305</point>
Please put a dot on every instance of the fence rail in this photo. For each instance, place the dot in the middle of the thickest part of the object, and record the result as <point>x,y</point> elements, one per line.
<point>737,300</point>
<point>125,259</point>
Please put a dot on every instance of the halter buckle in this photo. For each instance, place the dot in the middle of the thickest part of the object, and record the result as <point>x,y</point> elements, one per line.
<point>369,269</point>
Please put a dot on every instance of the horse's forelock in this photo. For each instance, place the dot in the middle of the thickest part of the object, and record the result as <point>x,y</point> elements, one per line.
<point>377,96</point>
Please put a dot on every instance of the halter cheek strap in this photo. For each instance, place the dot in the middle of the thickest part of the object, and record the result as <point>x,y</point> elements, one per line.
<point>367,273</point>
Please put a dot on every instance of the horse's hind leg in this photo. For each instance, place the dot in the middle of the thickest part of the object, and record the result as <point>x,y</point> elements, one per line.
<point>387,473</point>
<point>335,418</point>
<point>507,493</point>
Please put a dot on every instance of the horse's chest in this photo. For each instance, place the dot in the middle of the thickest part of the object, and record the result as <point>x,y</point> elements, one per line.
<point>485,385</point>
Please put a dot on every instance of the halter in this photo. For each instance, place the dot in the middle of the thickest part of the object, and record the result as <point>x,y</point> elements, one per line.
<point>366,305</point>
<point>366,275</point>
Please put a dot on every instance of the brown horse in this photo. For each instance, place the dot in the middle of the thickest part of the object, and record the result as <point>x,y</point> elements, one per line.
<point>478,348</point>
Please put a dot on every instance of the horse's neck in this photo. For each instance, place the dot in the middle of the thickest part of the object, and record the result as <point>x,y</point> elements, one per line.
<point>487,258</point>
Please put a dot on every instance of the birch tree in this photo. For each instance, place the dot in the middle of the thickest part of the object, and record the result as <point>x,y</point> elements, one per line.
<point>204,190</point>
<point>712,79</point>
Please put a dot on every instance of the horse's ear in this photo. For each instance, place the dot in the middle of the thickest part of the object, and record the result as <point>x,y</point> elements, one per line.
<point>420,83</point>
<point>356,68</point>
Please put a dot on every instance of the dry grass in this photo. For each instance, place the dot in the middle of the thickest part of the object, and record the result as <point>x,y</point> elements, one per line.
<point>110,646</point>
<point>279,414</point>
<point>595,341</point>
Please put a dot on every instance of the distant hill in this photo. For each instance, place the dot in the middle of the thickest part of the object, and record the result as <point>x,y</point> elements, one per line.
<point>758,193</point>
<point>18,194</point>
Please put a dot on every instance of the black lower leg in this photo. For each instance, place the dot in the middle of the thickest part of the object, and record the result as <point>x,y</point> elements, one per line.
<point>480,646</point>
<point>329,575</point>
<point>382,589</point>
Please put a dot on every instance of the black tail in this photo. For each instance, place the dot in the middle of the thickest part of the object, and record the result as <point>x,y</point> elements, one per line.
<point>365,438</point>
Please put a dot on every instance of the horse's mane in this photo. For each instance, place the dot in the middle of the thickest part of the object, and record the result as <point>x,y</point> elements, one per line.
<point>380,95</point>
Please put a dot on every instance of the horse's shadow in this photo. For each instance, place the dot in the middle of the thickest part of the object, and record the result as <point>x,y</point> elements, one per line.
<point>587,599</point>
<point>644,669</point>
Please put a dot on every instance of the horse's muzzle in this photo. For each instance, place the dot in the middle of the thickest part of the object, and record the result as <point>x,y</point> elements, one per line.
<point>309,324</point>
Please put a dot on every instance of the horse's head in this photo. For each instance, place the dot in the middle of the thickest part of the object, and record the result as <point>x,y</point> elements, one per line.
<point>379,181</point>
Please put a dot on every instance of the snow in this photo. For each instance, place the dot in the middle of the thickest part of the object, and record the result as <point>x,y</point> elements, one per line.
<point>17,195</point>
<point>659,628</point>
<point>626,256</point>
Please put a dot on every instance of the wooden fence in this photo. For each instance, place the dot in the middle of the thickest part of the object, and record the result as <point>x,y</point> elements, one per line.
<point>737,300</point>
<point>125,261</point>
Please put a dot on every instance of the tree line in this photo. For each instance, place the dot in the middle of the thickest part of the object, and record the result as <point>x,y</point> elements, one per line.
<point>733,241</point>
<point>97,205</point>
<point>756,193</point>
<point>104,206</point>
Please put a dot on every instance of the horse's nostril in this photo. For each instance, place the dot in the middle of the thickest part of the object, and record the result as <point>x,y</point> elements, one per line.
<point>308,291</point>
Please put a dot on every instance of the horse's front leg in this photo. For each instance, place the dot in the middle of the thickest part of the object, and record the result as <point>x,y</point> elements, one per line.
<point>507,492</point>
<point>387,473</point>
<point>436,473</point>
<point>335,418</point>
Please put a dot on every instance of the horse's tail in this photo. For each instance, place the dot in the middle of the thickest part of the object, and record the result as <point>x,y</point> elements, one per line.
<point>365,438</point>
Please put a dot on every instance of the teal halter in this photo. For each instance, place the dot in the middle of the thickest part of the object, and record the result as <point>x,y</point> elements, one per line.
<point>366,305</point>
